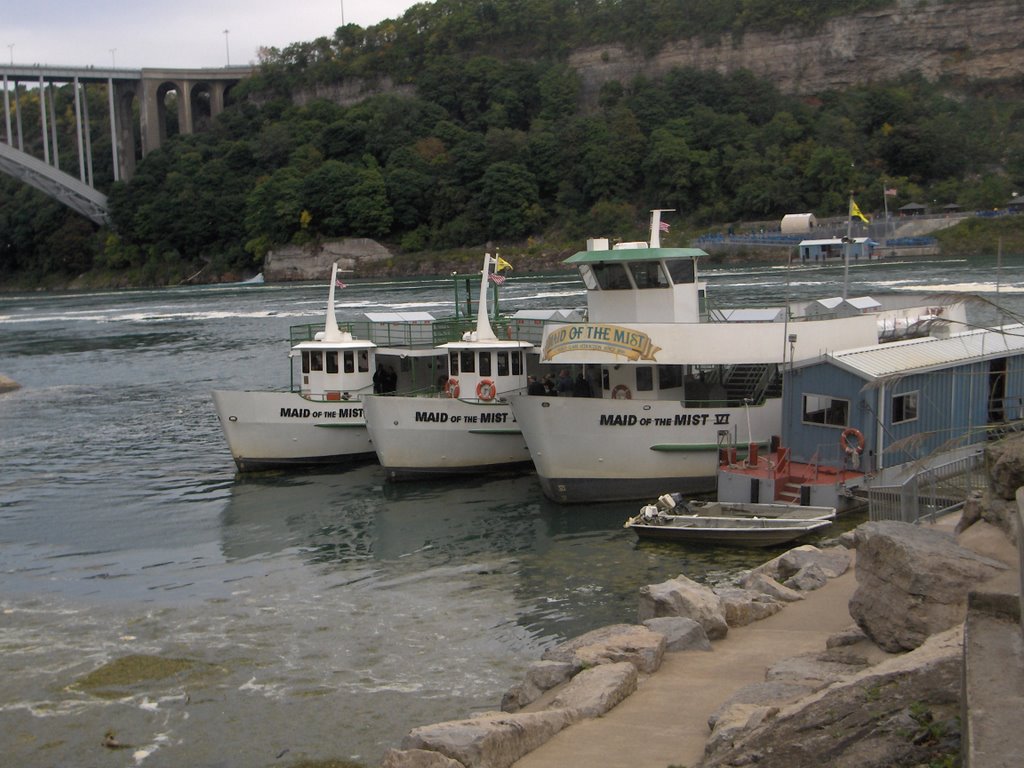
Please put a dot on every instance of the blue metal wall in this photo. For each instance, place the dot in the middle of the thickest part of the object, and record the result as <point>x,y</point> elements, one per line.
<point>952,410</point>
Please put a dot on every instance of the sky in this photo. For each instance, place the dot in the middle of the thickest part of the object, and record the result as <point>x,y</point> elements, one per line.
<point>176,34</point>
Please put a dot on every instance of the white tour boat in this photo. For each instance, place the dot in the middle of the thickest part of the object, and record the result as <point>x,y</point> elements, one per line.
<point>319,423</point>
<point>675,380</point>
<point>468,426</point>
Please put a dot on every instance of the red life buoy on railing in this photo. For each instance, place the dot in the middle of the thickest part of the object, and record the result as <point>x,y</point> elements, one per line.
<point>622,392</point>
<point>451,387</point>
<point>486,390</point>
<point>851,441</point>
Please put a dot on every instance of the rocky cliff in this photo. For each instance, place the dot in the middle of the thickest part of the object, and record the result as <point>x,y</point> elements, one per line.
<point>960,42</point>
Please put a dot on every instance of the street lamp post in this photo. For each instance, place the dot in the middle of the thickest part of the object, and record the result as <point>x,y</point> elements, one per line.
<point>113,59</point>
<point>10,46</point>
<point>227,51</point>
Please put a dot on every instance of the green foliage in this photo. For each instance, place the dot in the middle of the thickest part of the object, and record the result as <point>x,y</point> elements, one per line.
<point>493,136</point>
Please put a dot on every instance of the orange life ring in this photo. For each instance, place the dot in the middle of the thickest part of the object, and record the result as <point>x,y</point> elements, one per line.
<point>486,390</point>
<point>857,446</point>
<point>451,387</point>
<point>622,392</point>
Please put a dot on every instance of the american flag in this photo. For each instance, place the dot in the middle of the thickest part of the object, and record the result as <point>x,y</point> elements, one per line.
<point>891,192</point>
<point>340,284</point>
<point>496,279</point>
<point>663,226</point>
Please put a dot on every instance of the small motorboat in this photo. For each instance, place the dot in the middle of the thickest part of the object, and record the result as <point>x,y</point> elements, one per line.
<point>730,524</point>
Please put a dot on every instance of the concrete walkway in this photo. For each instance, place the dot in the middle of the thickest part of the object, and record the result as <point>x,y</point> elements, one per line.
<point>665,722</point>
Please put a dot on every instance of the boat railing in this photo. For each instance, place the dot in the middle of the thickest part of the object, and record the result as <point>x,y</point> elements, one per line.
<point>929,493</point>
<point>412,334</point>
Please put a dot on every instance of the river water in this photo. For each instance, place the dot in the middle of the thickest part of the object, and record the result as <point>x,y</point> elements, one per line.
<point>210,619</point>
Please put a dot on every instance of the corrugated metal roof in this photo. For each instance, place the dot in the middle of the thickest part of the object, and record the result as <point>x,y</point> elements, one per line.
<point>930,353</point>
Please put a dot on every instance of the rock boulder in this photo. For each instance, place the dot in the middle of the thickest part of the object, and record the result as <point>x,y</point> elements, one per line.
<point>618,642</point>
<point>912,582</point>
<point>684,597</point>
<point>493,740</point>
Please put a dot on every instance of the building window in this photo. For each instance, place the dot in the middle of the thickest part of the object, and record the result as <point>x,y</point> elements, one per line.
<point>822,409</point>
<point>904,408</point>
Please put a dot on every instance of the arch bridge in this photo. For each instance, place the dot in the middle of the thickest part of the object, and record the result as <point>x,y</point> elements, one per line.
<point>33,145</point>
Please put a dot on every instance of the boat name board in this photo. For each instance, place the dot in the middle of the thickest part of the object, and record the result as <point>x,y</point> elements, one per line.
<point>309,413</point>
<point>678,420</point>
<point>440,417</point>
<point>600,337</point>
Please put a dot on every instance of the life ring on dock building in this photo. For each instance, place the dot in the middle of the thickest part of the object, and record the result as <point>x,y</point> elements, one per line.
<point>851,441</point>
<point>451,387</point>
<point>486,390</point>
<point>622,392</point>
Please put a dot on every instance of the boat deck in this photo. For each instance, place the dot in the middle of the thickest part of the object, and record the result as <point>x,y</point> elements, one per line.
<point>800,473</point>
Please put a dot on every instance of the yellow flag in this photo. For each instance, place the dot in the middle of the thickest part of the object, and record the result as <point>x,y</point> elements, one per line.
<point>502,264</point>
<point>855,211</point>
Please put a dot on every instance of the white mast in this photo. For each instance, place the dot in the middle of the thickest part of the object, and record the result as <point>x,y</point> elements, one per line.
<point>331,330</point>
<point>655,237</point>
<point>483,325</point>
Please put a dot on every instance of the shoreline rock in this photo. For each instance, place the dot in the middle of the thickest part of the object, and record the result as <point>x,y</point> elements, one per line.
<point>886,690</point>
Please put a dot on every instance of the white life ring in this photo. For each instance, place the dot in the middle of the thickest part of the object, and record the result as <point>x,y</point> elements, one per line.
<point>486,390</point>
<point>851,441</point>
<point>622,392</point>
<point>451,387</point>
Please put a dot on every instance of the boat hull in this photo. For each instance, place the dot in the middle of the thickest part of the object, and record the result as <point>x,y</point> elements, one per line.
<point>734,532</point>
<point>592,449</point>
<point>265,430</point>
<point>417,437</point>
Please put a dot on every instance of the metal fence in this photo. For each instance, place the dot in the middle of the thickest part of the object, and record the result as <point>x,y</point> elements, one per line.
<point>929,493</point>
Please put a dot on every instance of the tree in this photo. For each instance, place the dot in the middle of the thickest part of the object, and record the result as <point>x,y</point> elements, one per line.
<point>509,196</point>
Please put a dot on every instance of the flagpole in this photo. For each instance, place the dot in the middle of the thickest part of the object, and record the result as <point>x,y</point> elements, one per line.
<point>885,202</point>
<point>846,248</point>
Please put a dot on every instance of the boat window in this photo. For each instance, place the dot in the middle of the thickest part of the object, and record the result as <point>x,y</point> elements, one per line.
<point>305,362</point>
<point>331,358</point>
<point>517,363</point>
<point>364,361</point>
<point>604,380</point>
<point>670,376</point>
<point>611,277</point>
<point>644,378</point>
<point>682,271</point>
<point>503,363</point>
<point>822,409</point>
<point>316,361</point>
<point>648,274</point>
<point>904,408</point>
<point>485,363</point>
<point>466,363</point>
<point>453,363</point>
<point>350,362</point>
<point>587,275</point>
